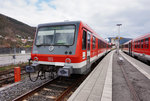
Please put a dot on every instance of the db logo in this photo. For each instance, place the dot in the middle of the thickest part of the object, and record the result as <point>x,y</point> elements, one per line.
<point>51,48</point>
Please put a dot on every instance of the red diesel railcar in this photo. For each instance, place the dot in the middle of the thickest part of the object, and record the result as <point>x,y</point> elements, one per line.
<point>66,47</point>
<point>139,47</point>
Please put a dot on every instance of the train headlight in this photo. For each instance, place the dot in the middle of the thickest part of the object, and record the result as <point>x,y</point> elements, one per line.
<point>35,58</point>
<point>68,60</point>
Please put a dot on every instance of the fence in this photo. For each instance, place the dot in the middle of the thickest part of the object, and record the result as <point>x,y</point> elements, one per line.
<point>13,50</point>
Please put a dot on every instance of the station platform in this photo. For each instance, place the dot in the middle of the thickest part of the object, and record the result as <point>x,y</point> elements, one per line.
<point>107,82</point>
<point>143,68</point>
<point>98,85</point>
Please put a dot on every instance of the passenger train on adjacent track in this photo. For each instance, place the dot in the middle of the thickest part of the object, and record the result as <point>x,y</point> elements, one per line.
<point>66,47</point>
<point>138,47</point>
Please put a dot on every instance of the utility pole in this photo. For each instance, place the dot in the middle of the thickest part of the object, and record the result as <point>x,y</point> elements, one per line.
<point>14,56</point>
<point>118,37</point>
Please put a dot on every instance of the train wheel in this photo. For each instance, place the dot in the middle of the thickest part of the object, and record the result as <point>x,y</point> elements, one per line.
<point>34,76</point>
<point>52,72</point>
<point>42,75</point>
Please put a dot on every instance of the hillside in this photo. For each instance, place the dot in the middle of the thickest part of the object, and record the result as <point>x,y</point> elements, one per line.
<point>11,29</point>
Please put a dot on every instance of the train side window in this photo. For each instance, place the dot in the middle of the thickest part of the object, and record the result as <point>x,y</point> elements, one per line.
<point>94,41</point>
<point>88,38</point>
<point>101,44</point>
<point>136,44</point>
<point>84,40</point>
<point>98,43</point>
<point>147,43</point>
<point>139,44</point>
<point>142,44</point>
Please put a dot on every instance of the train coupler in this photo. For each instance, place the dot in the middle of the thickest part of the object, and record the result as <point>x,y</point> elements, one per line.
<point>32,68</point>
<point>65,71</point>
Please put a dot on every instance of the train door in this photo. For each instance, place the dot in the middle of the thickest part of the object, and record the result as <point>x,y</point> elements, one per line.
<point>88,49</point>
<point>130,48</point>
<point>133,46</point>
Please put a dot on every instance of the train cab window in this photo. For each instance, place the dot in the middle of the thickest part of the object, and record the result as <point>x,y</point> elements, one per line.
<point>146,43</point>
<point>94,42</point>
<point>142,44</point>
<point>55,35</point>
<point>84,40</point>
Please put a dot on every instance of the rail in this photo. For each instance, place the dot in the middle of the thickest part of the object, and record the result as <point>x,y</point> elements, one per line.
<point>58,97</point>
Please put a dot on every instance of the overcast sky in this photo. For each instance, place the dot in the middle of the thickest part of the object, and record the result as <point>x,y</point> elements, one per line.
<point>100,15</point>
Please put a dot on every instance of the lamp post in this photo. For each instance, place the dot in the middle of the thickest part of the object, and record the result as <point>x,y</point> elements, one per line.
<point>118,37</point>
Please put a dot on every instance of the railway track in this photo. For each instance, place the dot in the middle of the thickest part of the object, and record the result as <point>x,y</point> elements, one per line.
<point>55,90</point>
<point>58,89</point>
<point>7,77</point>
<point>129,83</point>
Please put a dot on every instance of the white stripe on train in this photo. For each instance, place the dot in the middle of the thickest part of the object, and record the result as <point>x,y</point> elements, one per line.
<point>75,65</point>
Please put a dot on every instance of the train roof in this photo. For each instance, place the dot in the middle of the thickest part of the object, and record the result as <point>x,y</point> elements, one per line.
<point>127,42</point>
<point>142,37</point>
<point>74,22</point>
<point>59,23</point>
<point>95,34</point>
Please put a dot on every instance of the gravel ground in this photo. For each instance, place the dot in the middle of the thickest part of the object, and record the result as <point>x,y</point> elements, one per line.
<point>11,92</point>
<point>10,75</point>
<point>53,90</point>
<point>48,93</point>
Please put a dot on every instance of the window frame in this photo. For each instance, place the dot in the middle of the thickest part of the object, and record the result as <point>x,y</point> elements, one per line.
<point>146,43</point>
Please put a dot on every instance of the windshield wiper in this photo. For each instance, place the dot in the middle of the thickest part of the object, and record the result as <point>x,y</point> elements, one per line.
<point>43,44</point>
<point>39,45</point>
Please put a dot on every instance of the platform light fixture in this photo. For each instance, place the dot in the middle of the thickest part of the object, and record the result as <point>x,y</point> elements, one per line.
<point>119,29</point>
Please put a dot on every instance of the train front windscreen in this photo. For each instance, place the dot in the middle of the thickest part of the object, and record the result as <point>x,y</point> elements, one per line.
<point>55,35</point>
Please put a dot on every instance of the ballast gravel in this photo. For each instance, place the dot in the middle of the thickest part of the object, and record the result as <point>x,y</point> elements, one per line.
<point>10,92</point>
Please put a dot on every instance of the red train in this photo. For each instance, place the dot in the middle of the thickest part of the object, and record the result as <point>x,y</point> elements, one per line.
<point>139,47</point>
<point>66,47</point>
